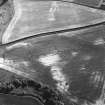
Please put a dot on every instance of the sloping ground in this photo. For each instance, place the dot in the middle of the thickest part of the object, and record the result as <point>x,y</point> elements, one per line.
<point>34,17</point>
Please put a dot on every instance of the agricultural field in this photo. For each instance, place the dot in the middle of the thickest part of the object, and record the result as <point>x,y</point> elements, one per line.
<point>52,52</point>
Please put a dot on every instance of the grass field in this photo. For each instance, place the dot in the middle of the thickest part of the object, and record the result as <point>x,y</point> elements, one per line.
<point>33,17</point>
